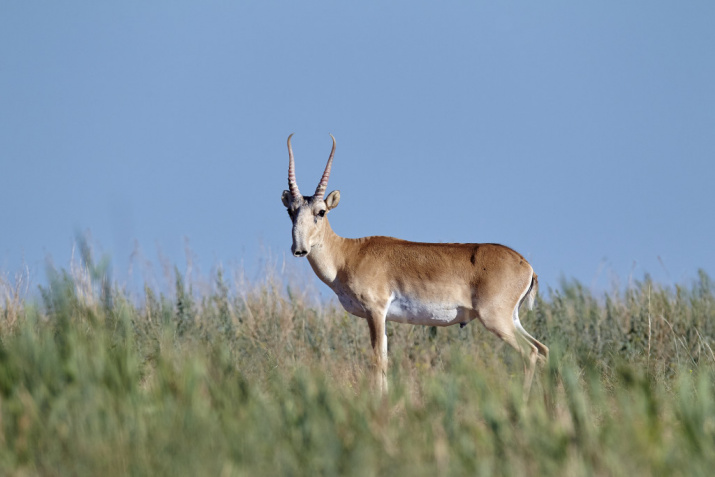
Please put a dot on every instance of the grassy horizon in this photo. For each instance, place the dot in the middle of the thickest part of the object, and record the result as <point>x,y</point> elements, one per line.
<point>224,376</point>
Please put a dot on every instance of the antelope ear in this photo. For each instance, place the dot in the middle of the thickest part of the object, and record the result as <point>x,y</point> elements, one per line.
<point>286,197</point>
<point>332,200</point>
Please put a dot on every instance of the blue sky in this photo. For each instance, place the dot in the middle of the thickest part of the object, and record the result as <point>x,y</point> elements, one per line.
<point>582,134</point>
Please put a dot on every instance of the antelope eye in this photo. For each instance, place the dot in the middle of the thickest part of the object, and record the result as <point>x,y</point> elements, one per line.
<point>321,213</point>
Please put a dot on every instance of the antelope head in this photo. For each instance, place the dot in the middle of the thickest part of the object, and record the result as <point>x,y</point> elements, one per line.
<point>308,212</point>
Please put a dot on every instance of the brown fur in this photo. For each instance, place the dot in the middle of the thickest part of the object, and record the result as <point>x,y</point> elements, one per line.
<point>486,281</point>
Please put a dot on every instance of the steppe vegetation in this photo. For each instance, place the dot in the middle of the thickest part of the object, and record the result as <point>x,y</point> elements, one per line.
<point>223,376</point>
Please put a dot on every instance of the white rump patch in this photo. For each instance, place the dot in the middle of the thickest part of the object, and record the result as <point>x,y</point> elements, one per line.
<point>517,321</point>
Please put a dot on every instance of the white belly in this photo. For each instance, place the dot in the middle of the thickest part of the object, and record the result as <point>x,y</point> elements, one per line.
<point>404,309</point>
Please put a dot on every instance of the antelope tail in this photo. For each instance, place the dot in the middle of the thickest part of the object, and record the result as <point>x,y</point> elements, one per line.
<point>533,289</point>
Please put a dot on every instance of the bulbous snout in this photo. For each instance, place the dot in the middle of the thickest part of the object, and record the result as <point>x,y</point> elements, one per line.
<point>300,247</point>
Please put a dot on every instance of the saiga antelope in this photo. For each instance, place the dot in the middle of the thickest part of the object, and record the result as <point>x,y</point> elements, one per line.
<point>434,284</point>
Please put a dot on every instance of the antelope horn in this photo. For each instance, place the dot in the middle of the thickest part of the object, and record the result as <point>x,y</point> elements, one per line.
<point>292,184</point>
<point>320,191</point>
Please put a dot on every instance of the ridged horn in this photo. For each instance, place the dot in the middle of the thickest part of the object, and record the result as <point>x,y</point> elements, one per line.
<point>292,184</point>
<point>320,190</point>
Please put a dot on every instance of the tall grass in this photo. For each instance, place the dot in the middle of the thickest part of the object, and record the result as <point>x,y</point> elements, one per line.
<point>239,378</point>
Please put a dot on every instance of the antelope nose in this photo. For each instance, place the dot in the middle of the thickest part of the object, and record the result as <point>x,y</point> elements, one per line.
<point>300,253</point>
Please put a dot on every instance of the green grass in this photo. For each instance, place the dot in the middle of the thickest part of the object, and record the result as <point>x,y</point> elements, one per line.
<point>226,377</point>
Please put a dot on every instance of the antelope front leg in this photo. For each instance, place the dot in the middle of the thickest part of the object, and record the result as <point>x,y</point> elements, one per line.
<point>378,339</point>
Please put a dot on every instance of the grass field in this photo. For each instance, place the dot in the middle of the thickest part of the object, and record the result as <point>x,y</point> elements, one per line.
<point>225,377</point>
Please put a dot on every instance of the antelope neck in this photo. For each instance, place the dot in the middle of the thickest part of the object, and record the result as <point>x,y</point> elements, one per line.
<point>328,257</point>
